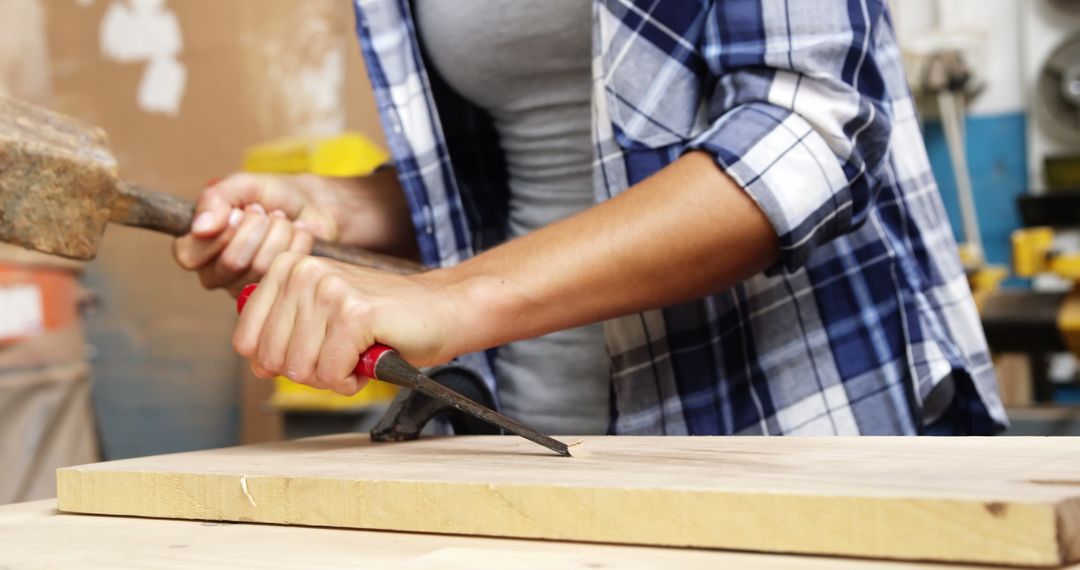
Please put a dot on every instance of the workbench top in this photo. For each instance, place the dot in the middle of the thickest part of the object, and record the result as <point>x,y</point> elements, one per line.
<point>35,535</point>
<point>1008,501</point>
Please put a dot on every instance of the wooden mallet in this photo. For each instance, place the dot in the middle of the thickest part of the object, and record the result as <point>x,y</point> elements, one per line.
<point>59,188</point>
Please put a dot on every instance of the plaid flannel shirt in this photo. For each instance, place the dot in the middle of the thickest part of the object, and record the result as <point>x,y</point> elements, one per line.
<point>804,104</point>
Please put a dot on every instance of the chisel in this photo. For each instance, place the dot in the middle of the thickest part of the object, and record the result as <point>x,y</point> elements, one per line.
<point>382,362</point>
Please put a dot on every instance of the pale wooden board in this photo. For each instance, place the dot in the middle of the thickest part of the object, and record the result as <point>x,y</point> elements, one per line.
<point>987,500</point>
<point>36,536</point>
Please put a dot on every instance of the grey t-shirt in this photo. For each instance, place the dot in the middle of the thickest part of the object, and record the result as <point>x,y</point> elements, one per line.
<point>528,64</point>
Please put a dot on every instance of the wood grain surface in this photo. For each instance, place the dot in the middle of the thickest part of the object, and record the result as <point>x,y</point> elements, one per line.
<point>987,500</point>
<point>34,536</point>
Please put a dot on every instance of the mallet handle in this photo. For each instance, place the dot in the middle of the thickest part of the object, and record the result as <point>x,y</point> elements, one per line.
<point>141,207</point>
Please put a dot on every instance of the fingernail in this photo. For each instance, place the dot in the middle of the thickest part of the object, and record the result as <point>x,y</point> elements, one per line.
<point>235,216</point>
<point>278,214</point>
<point>300,225</point>
<point>204,222</point>
<point>257,208</point>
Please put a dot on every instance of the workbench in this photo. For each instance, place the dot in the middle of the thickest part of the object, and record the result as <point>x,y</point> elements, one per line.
<point>35,535</point>
<point>996,501</point>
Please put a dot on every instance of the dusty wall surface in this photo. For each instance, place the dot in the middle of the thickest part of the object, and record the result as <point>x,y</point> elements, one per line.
<point>182,88</point>
<point>24,53</point>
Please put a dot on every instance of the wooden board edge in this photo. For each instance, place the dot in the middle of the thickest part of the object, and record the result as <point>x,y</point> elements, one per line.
<point>1015,533</point>
<point>1068,525</point>
<point>65,480</point>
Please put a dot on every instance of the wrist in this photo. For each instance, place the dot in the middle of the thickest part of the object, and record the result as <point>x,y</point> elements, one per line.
<point>469,304</point>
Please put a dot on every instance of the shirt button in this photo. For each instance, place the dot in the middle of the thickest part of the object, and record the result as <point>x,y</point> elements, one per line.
<point>395,122</point>
<point>429,220</point>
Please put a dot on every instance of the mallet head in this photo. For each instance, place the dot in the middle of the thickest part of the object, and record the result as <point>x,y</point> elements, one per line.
<point>57,181</point>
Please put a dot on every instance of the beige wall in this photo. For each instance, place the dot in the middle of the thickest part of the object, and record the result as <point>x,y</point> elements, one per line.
<point>24,54</point>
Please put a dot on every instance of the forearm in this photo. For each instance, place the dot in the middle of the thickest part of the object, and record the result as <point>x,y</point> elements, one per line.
<point>687,231</point>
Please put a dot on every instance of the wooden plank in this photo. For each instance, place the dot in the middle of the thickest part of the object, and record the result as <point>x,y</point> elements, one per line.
<point>987,500</point>
<point>34,535</point>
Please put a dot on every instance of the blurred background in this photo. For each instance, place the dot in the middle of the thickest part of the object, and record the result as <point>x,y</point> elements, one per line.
<point>128,356</point>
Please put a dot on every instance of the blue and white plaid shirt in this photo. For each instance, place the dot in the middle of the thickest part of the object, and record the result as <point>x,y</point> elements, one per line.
<point>805,105</point>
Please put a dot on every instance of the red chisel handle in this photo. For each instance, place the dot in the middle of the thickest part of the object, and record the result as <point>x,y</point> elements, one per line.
<point>396,370</point>
<point>369,359</point>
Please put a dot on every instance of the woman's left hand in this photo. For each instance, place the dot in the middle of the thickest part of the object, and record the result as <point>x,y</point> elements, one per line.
<point>310,319</point>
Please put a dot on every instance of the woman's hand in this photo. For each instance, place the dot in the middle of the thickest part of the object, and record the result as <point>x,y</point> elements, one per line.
<point>244,221</point>
<point>311,318</point>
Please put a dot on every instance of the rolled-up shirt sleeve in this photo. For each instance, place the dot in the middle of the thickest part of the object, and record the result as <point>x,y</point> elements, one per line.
<point>798,117</point>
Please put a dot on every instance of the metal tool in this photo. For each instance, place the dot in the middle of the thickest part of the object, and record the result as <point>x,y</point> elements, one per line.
<point>384,363</point>
<point>59,188</point>
<point>411,411</point>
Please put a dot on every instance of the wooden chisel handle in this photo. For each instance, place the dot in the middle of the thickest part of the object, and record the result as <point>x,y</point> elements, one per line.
<point>144,208</point>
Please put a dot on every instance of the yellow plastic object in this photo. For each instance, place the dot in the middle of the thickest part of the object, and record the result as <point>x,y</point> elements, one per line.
<point>989,277</point>
<point>1062,172</point>
<point>1033,254</point>
<point>985,282</point>
<point>1031,249</point>
<point>290,396</point>
<point>1069,321</point>
<point>349,154</point>
<point>1067,266</point>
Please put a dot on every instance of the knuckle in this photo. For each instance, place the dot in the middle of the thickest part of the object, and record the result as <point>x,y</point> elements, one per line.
<point>220,190</point>
<point>300,372</point>
<point>299,364</point>
<point>314,381</point>
<point>238,179</point>
<point>330,288</point>
<point>232,262</point>
<point>356,310</point>
<point>324,376</point>
<point>303,382</point>
<point>305,271</point>
<point>255,371</point>
<point>283,262</point>
<point>302,243</point>
<point>347,388</point>
<point>242,346</point>
<point>269,361</point>
<point>206,195</point>
<point>262,264</point>
<point>206,279</point>
<point>307,266</point>
<point>186,262</point>
<point>182,256</point>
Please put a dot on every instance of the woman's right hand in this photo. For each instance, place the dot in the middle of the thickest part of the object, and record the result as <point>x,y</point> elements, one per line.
<point>244,221</point>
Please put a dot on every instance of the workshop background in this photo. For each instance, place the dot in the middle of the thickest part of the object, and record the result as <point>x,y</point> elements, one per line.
<point>127,356</point>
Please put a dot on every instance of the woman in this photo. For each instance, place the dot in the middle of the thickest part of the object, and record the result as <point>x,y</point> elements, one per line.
<point>767,251</point>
